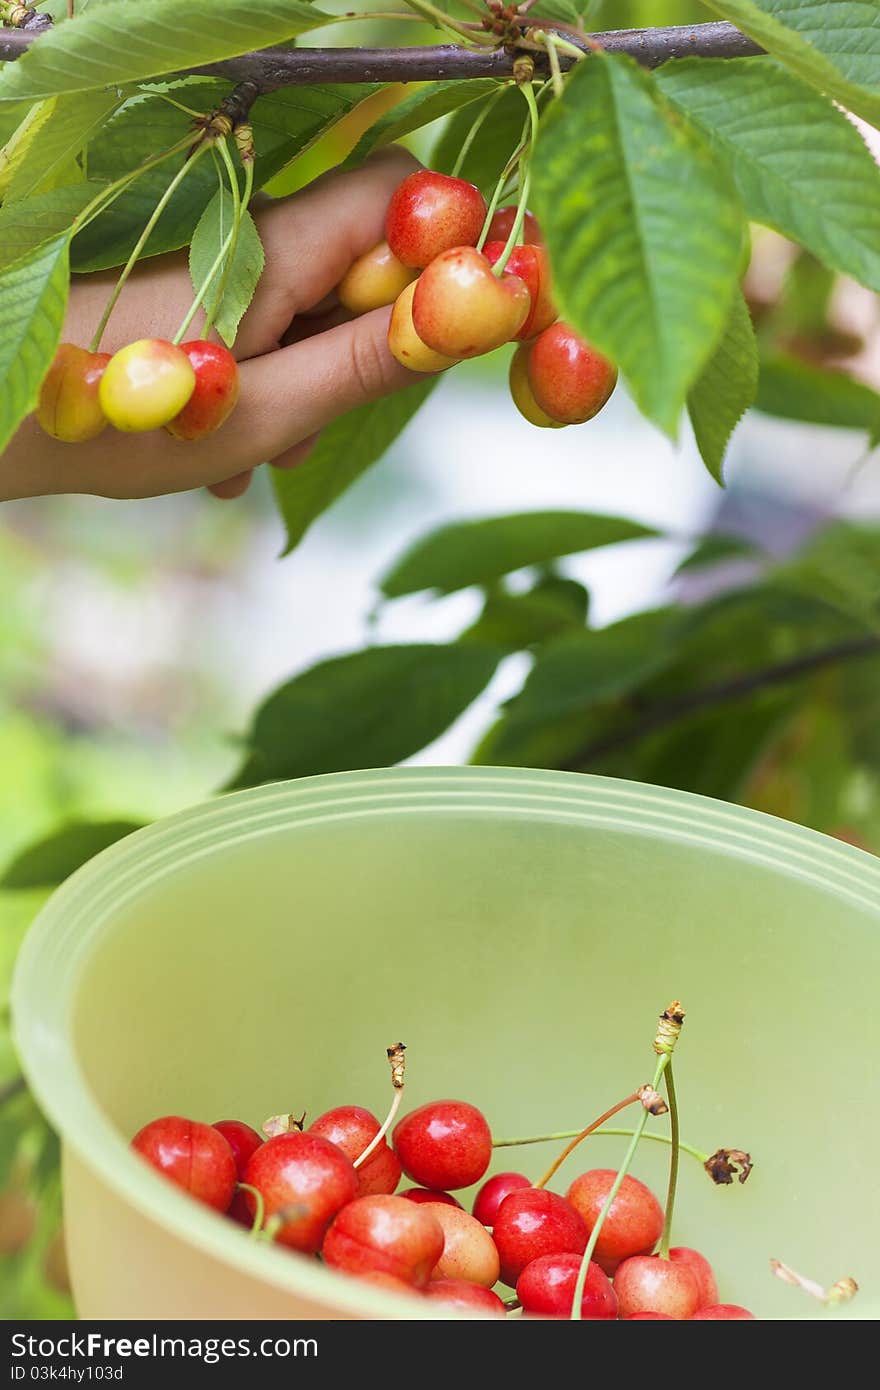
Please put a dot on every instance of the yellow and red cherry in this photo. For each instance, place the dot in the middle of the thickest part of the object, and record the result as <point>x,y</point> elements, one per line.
<point>493,1192</point>
<point>406,345</point>
<point>502,225</point>
<point>69,407</point>
<point>530,263</point>
<point>242,1140</point>
<point>375,279</point>
<point>193,1156</point>
<point>215,394</point>
<point>444,1144</point>
<point>462,309</point>
<point>385,1235</point>
<point>352,1129</point>
<point>532,1222</point>
<point>522,394</point>
<point>701,1269</point>
<point>570,380</point>
<point>423,1195</point>
<point>462,1297</point>
<point>634,1221</point>
<point>546,1288</point>
<point>469,1252</point>
<point>645,1284</point>
<point>430,213</point>
<point>723,1312</point>
<point>304,1180</point>
<point>145,385</point>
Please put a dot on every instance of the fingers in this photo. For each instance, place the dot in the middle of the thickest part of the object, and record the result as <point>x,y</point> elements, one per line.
<point>233,487</point>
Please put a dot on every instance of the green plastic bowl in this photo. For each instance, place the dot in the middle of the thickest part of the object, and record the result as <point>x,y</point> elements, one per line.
<point>520,931</point>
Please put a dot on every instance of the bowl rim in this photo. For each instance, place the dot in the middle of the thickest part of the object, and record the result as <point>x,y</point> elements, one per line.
<point>71,923</point>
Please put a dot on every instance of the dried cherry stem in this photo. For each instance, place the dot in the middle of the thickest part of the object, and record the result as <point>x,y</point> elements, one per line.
<point>260,1205</point>
<point>475,129</point>
<point>142,241</point>
<point>590,1129</point>
<point>397,1062</point>
<point>524,183</point>
<point>675,1140</point>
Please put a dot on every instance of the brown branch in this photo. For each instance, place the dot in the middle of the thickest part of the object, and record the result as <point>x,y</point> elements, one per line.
<point>659,716</point>
<point>272,68</point>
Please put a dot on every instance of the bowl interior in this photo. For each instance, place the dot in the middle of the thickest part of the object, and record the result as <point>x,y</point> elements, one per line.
<point>520,932</point>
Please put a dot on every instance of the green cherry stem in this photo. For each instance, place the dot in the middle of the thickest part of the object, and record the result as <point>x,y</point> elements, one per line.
<point>551,41</point>
<point>259,1204</point>
<point>203,290</point>
<point>440,20</point>
<point>142,241</point>
<point>524,183</point>
<point>675,1141</point>
<point>475,129</point>
<point>555,70</point>
<point>583,1134</point>
<point>608,1131</point>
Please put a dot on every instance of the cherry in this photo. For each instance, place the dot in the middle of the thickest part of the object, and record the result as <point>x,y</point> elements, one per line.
<point>444,1144</point>
<point>461,309</point>
<point>570,380</point>
<point>493,1192</point>
<point>649,1317</point>
<point>424,1194</point>
<point>215,394</point>
<point>634,1220</point>
<point>405,343</point>
<point>145,385</point>
<point>387,1235</point>
<point>530,263</point>
<point>69,408</point>
<point>700,1268</point>
<point>502,225</point>
<point>351,1128</point>
<point>194,1156</point>
<point>376,278</point>
<point>546,1287</point>
<point>465,1297</point>
<point>522,393</point>
<point>430,213</point>
<point>242,1140</point>
<point>645,1284</point>
<point>387,1281</point>
<point>469,1252</point>
<point>723,1312</point>
<point>532,1222</point>
<point>305,1180</point>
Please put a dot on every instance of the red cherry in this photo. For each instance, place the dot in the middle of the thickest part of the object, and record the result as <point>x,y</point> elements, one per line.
<point>424,1194</point>
<point>430,213</point>
<point>385,1234</point>
<point>502,225</point>
<point>546,1287</point>
<point>522,394</point>
<point>194,1156</point>
<point>305,1179</point>
<point>644,1284</point>
<point>215,394</point>
<point>444,1144</point>
<point>243,1141</point>
<point>465,1297</point>
<point>530,263</point>
<point>633,1223</point>
<point>469,1252</point>
<point>387,1281</point>
<point>69,408</point>
<point>648,1317</point>
<point>351,1129</point>
<point>493,1192</point>
<point>570,380</point>
<point>723,1312</point>
<point>532,1222</point>
<point>460,308</point>
<point>700,1268</point>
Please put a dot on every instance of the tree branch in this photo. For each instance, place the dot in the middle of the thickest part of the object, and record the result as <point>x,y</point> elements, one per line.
<point>668,712</point>
<point>272,68</point>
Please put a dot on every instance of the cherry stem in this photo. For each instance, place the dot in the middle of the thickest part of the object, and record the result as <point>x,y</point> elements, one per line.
<point>576,1312</point>
<point>611,1131</point>
<point>590,1129</point>
<point>524,184</point>
<point>260,1212</point>
<point>441,21</point>
<point>142,241</point>
<point>555,70</point>
<point>508,169</point>
<point>551,41</point>
<point>475,129</point>
<point>380,1135</point>
<point>673,1163</point>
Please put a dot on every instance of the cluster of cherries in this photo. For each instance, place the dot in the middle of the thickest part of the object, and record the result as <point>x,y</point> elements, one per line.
<point>329,1191</point>
<point>450,304</point>
<point>189,390</point>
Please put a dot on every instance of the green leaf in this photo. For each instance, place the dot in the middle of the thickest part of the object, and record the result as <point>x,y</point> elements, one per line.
<point>244,275</point>
<point>795,390</point>
<point>420,108</point>
<point>55,858</point>
<point>498,137</point>
<point>643,228</point>
<point>725,388</point>
<point>800,165</point>
<point>33,298</point>
<point>478,552</point>
<point>24,225</point>
<point>119,42</point>
<point>832,44</point>
<point>344,451</point>
<point>370,709</point>
<point>73,122</point>
<point>286,123</point>
<point>21,138</point>
<point>518,621</point>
